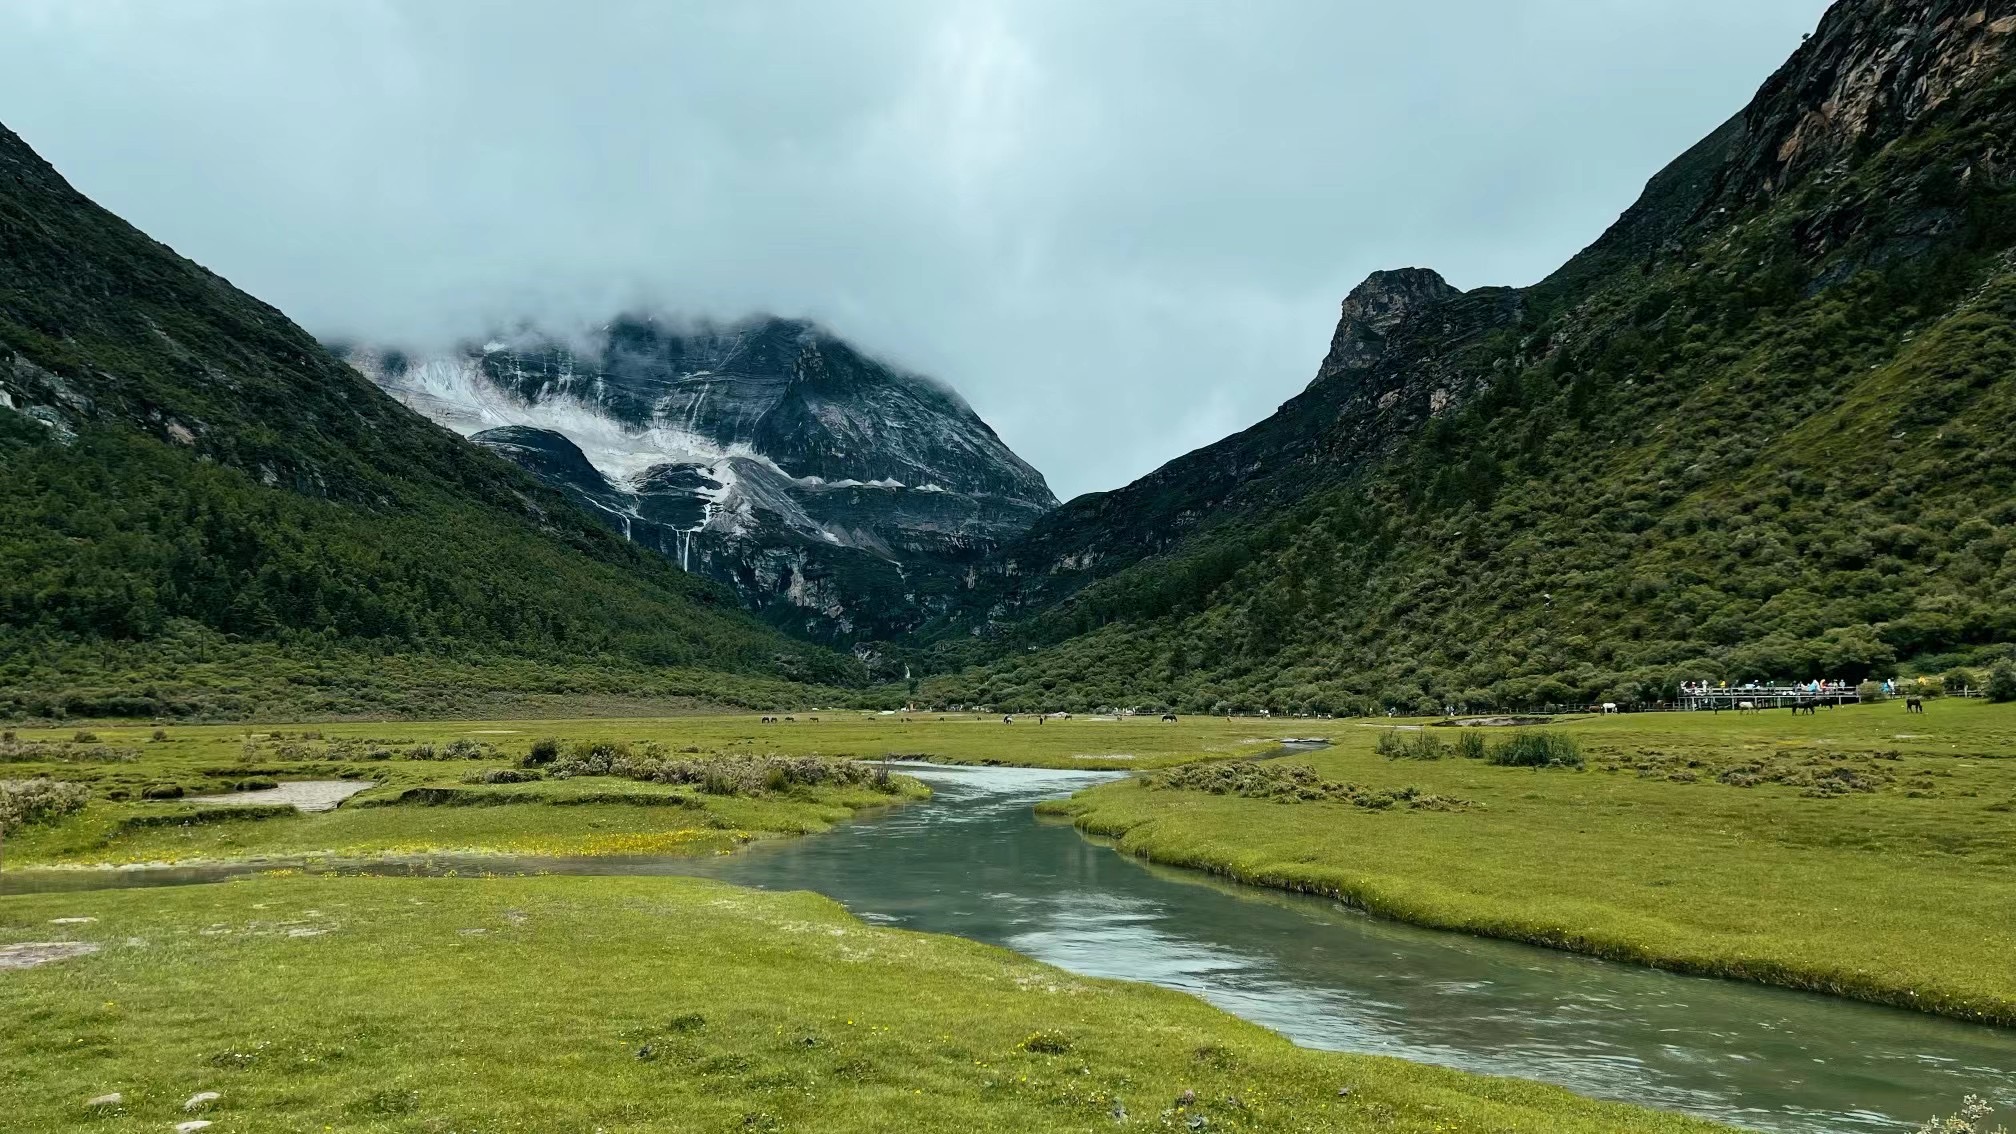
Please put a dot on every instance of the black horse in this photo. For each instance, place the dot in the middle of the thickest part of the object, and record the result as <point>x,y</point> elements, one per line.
<point>1914,704</point>
<point>1169,718</point>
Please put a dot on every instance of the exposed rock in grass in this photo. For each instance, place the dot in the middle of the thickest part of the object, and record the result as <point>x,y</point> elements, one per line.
<point>28,954</point>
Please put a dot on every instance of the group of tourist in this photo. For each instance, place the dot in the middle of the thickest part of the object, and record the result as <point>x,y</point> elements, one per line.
<point>1819,687</point>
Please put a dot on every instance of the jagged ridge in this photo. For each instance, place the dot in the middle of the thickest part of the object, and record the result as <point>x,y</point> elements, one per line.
<point>1466,470</point>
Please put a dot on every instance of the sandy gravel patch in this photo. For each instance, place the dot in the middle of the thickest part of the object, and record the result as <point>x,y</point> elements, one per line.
<point>308,795</point>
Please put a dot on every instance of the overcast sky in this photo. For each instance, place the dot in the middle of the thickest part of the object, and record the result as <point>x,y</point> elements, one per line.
<point>1120,227</point>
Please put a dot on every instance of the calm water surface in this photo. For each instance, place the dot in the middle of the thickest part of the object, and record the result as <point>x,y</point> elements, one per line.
<point>975,862</point>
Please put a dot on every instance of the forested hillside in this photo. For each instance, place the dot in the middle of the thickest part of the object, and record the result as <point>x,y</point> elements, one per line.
<point>1761,429</point>
<point>187,480</point>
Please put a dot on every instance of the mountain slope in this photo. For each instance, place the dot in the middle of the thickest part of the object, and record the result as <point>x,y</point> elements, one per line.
<point>1761,428</point>
<point>843,498</point>
<point>183,464</point>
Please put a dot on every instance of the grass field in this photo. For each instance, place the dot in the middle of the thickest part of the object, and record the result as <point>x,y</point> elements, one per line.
<point>610,1004</point>
<point>421,801</point>
<point>417,806</point>
<point>1860,851</point>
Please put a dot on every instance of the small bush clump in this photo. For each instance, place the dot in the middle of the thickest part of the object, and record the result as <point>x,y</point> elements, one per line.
<point>1396,745</point>
<point>544,751</point>
<point>1536,750</point>
<point>1975,1112</point>
<point>504,776</point>
<point>1046,1043</point>
<point>38,800</point>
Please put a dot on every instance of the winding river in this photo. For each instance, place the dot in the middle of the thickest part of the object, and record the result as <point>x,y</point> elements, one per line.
<point>976,862</point>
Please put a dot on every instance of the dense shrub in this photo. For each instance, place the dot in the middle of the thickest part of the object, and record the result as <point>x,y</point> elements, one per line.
<point>63,751</point>
<point>2002,682</point>
<point>504,776</point>
<point>1470,745</point>
<point>38,800</point>
<point>718,775</point>
<point>544,751</point>
<point>1537,750</point>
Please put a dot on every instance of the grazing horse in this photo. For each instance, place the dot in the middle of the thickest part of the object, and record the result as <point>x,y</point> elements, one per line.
<point>1746,706</point>
<point>1169,718</point>
<point>769,720</point>
<point>1609,707</point>
<point>1914,704</point>
<point>1810,708</point>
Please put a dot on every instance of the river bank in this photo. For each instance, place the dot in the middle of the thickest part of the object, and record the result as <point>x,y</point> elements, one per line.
<point>1854,853</point>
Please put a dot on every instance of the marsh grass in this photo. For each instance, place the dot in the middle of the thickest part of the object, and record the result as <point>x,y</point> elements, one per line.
<point>444,793</point>
<point>1536,750</point>
<point>1292,783</point>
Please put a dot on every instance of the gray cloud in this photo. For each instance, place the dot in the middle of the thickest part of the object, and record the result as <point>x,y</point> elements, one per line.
<point>1121,228</point>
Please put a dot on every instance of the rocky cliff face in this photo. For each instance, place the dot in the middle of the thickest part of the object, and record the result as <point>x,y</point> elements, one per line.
<point>840,496</point>
<point>1871,71</point>
<point>1401,355</point>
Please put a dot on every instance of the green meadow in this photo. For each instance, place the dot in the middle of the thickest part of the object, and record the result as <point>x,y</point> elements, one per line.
<point>313,1004</point>
<point>424,790</point>
<point>1860,851</point>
